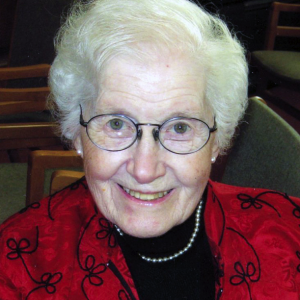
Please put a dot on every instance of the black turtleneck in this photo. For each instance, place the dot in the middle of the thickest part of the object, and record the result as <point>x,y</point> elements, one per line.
<point>189,276</point>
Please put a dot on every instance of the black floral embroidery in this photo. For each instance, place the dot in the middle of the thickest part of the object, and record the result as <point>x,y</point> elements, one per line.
<point>243,274</point>
<point>49,206</point>
<point>73,186</point>
<point>78,183</point>
<point>298,255</point>
<point>34,205</point>
<point>106,232</point>
<point>22,247</point>
<point>47,282</point>
<point>93,273</point>
<point>93,270</point>
<point>296,210</point>
<point>19,248</point>
<point>248,201</point>
<point>123,296</point>
<point>215,199</point>
<point>248,274</point>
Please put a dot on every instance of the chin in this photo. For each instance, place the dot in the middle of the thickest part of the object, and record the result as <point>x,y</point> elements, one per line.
<point>145,231</point>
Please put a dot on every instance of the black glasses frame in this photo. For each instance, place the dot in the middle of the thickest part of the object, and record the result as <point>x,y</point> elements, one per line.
<point>139,131</point>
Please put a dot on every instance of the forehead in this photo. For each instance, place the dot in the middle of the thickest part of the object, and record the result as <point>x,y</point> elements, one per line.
<point>165,85</point>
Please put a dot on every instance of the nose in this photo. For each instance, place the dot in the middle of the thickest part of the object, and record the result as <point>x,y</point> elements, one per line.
<point>147,163</point>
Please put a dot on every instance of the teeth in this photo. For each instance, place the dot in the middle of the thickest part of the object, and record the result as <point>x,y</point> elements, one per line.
<point>142,196</point>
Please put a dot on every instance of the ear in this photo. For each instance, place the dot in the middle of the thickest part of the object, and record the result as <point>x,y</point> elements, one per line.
<point>215,150</point>
<point>78,145</point>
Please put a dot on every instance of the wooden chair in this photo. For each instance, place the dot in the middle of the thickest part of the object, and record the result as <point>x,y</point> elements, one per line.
<point>279,71</point>
<point>23,120</point>
<point>42,160</point>
<point>63,178</point>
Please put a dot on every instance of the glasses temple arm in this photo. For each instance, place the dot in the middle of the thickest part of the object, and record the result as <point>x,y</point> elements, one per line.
<point>214,128</point>
<point>81,121</point>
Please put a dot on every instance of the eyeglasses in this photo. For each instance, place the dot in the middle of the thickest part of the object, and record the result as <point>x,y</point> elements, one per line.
<point>116,132</point>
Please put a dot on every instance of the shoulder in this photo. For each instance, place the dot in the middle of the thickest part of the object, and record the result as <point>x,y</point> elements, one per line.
<point>49,243</point>
<point>249,209</point>
<point>255,233</point>
<point>59,216</point>
<point>260,202</point>
<point>58,207</point>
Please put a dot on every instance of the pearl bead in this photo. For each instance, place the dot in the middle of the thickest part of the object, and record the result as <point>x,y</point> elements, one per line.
<point>186,248</point>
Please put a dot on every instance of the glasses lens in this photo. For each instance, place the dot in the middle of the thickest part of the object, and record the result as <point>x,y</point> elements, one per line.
<point>111,132</point>
<point>183,135</point>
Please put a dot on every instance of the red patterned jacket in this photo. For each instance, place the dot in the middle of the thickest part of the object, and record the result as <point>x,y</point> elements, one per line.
<point>63,248</point>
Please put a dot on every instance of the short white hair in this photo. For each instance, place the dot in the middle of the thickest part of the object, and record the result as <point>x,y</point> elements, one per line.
<point>97,31</point>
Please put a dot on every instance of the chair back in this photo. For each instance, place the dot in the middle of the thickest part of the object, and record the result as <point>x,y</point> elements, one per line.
<point>24,121</point>
<point>62,178</point>
<point>23,100</point>
<point>42,160</point>
<point>266,152</point>
<point>274,29</point>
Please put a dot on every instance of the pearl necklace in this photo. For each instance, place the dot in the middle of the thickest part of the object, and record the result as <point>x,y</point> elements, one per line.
<point>185,249</point>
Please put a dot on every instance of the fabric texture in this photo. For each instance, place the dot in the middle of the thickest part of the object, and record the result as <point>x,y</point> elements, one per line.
<point>265,153</point>
<point>169,280</point>
<point>63,248</point>
<point>284,64</point>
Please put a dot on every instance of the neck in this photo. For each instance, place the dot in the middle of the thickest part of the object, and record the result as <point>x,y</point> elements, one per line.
<point>168,246</point>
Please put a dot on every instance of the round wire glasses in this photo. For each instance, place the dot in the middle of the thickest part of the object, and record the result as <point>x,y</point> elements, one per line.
<point>116,132</point>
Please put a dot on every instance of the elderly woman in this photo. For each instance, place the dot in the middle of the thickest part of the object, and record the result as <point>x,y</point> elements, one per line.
<point>149,92</point>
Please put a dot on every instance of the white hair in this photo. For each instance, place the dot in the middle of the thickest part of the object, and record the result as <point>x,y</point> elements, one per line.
<point>97,31</point>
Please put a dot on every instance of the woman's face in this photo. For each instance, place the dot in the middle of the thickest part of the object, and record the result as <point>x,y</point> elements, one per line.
<point>148,93</point>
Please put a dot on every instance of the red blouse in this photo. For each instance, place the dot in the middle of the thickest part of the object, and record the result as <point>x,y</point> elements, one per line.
<point>63,248</point>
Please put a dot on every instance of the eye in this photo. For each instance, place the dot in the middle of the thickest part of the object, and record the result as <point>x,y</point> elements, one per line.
<point>116,124</point>
<point>181,128</point>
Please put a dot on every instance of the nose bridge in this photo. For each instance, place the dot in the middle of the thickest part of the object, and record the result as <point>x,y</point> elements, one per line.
<point>146,164</point>
<point>155,130</point>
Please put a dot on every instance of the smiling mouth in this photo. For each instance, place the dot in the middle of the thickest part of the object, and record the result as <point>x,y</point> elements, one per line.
<point>147,197</point>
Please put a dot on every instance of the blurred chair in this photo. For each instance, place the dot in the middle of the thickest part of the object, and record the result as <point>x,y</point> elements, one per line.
<point>63,178</point>
<point>265,153</point>
<point>24,121</point>
<point>42,160</point>
<point>12,188</point>
<point>279,71</point>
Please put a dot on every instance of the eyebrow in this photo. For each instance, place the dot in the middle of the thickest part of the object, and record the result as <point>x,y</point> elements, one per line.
<point>168,117</point>
<point>124,111</point>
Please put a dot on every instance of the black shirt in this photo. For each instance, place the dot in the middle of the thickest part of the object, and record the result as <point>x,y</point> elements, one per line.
<point>189,276</point>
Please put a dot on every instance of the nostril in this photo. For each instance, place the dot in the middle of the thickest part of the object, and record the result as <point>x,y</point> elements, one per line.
<point>155,133</point>
<point>139,134</point>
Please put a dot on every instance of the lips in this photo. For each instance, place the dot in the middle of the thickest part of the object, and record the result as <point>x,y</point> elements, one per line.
<point>146,197</point>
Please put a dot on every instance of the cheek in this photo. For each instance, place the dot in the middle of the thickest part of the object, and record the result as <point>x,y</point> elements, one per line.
<point>96,164</point>
<point>194,170</point>
<point>100,165</point>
